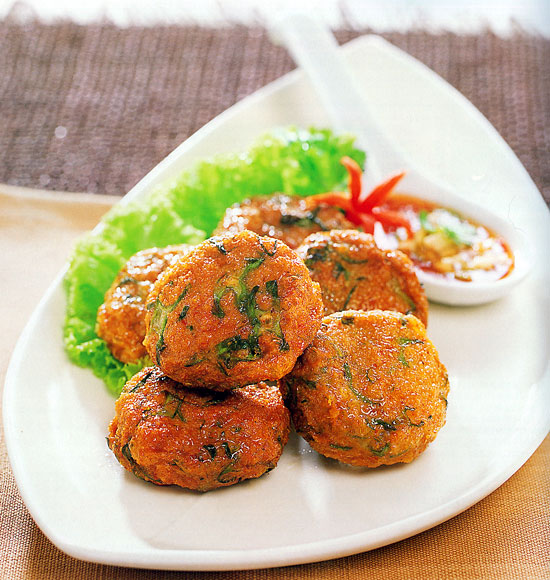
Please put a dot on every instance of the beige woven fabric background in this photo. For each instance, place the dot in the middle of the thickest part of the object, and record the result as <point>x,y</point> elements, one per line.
<point>506,536</point>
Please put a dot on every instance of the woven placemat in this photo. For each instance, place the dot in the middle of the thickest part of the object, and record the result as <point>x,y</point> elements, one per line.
<point>93,108</point>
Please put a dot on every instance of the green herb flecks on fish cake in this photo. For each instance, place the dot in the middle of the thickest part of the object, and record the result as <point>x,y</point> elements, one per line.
<point>370,390</point>
<point>250,309</point>
<point>121,317</point>
<point>354,274</point>
<point>289,218</point>
<point>297,161</point>
<point>196,438</point>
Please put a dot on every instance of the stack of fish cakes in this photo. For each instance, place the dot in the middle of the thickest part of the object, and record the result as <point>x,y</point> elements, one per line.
<point>224,323</point>
<point>240,317</point>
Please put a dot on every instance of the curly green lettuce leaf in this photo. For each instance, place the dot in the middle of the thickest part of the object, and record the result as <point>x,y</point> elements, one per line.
<point>293,161</point>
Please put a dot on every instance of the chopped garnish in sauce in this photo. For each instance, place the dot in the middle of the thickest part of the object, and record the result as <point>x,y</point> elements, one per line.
<point>438,240</point>
<point>445,243</point>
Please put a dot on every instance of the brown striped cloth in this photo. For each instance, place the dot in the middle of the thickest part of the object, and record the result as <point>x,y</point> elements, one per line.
<point>94,108</point>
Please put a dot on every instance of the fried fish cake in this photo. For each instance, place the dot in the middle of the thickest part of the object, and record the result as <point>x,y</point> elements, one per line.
<point>121,318</point>
<point>370,390</point>
<point>355,274</point>
<point>289,218</point>
<point>235,310</point>
<point>196,438</point>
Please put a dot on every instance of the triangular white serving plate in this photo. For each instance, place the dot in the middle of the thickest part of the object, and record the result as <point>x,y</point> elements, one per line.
<point>307,509</point>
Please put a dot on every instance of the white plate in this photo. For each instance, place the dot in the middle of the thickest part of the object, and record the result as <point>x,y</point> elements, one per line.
<point>307,509</point>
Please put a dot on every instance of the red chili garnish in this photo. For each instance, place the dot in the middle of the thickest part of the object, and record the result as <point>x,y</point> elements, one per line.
<point>391,218</point>
<point>367,221</point>
<point>379,193</point>
<point>363,211</point>
<point>354,182</point>
<point>338,198</point>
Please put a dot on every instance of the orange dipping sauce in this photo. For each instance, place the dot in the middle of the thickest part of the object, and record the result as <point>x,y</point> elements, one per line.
<point>443,242</point>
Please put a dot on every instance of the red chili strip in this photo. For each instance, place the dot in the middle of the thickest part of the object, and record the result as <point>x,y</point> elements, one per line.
<point>377,195</point>
<point>355,174</point>
<point>367,221</point>
<point>391,218</point>
<point>338,198</point>
<point>362,212</point>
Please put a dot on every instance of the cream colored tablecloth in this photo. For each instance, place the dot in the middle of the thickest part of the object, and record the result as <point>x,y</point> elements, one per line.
<point>505,536</point>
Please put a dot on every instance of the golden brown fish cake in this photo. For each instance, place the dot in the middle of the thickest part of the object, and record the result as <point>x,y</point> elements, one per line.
<point>355,274</point>
<point>236,310</point>
<point>370,390</point>
<point>121,318</point>
<point>289,218</point>
<point>196,438</point>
